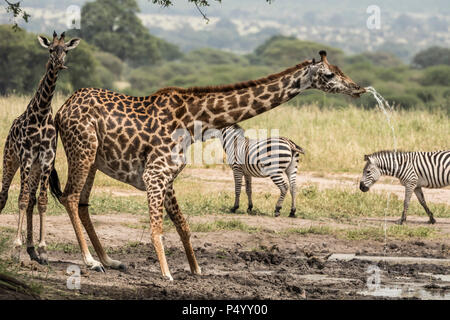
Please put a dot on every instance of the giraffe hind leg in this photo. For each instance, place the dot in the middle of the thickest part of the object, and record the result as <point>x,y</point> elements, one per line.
<point>79,163</point>
<point>89,227</point>
<point>10,166</point>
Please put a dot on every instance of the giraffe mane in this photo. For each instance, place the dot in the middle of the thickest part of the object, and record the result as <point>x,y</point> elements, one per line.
<point>236,86</point>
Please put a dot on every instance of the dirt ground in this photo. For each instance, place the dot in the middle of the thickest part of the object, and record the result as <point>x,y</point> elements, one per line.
<point>240,265</point>
<point>268,264</point>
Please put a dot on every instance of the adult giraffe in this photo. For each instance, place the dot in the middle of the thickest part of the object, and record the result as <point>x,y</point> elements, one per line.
<point>31,145</point>
<point>132,139</point>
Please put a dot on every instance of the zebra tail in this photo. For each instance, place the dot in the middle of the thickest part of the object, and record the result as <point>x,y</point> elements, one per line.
<point>295,147</point>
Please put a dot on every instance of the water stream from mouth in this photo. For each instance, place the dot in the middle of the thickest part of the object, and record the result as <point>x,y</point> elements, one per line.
<point>387,110</point>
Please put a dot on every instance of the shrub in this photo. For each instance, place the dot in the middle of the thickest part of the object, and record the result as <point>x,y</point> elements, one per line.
<point>436,75</point>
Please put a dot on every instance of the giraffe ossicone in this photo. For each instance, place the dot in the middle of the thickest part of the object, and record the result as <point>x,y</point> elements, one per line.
<point>131,139</point>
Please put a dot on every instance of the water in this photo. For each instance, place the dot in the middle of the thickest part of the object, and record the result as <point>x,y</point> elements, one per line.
<point>384,107</point>
<point>387,110</point>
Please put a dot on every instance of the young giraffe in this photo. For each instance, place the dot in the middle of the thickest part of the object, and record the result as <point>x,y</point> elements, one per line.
<point>31,145</point>
<point>133,140</point>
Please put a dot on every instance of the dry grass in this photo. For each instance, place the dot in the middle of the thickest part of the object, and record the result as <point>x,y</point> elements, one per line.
<point>335,139</point>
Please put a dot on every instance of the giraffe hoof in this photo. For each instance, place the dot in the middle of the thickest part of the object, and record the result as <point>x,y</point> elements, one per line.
<point>233,210</point>
<point>292,215</point>
<point>432,221</point>
<point>399,222</point>
<point>277,214</point>
<point>168,277</point>
<point>122,267</point>
<point>32,253</point>
<point>98,268</point>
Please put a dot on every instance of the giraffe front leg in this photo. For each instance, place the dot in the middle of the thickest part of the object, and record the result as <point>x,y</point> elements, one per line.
<point>408,193</point>
<point>30,244</point>
<point>175,214</point>
<point>24,198</point>
<point>156,183</point>
<point>42,209</point>
<point>33,183</point>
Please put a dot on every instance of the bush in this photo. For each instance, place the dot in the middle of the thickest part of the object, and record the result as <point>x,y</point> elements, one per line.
<point>436,75</point>
<point>403,101</point>
<point>431,57</point>
<point>288,51</point>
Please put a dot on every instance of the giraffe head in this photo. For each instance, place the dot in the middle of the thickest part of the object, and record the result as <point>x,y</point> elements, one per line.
<point>58,48</point>
<point>371,174</point>
<point>329,78</point>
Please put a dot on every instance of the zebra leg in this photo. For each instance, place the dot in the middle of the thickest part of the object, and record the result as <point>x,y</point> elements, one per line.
<point>408,194</point>
<point>279,181</point>
<point>237,188</point>
<point>248,190</point>
<point>291,173</point>
<point>421,198</point>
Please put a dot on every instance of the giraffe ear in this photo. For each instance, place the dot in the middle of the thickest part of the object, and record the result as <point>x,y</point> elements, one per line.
<point>72,44</point>
<point>44,41</point>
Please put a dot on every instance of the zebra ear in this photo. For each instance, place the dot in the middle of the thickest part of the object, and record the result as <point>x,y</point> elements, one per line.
<point>366,157</point>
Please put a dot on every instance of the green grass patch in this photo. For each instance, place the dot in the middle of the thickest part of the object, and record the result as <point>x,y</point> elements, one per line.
<point>219,225</point>
<point>312,230</point>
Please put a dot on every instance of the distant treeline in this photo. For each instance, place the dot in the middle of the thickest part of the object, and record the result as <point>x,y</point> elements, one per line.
<point>123,56</point>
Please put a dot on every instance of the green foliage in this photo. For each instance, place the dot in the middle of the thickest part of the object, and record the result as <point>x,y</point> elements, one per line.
<point>23,62</point>
<point>436,75</point>
<point>403,101</point>
<point>431,57</point>
<point>113,26</point>
<point>288,51</point>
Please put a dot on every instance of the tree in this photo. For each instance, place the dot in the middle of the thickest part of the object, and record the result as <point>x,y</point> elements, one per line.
<point>284,52</point>
<point>113,26</point>
<point>22,61</point>
<point>16,11</point>
<point>431,57</point>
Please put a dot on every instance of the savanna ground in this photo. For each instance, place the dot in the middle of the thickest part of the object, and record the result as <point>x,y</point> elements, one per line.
<point>258,256</point>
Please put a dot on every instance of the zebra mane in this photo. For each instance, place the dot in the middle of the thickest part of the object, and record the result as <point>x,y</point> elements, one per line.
<point>385,153</point>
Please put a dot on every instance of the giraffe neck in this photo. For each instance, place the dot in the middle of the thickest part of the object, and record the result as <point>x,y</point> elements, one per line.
<point>42,99</point>
<point>219,108</point>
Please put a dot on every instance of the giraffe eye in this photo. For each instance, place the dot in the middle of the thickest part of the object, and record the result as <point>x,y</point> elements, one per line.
<point>330,76</point>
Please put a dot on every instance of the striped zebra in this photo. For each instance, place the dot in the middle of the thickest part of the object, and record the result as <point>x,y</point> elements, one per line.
<point>272,157</point>
<point>415,170</point>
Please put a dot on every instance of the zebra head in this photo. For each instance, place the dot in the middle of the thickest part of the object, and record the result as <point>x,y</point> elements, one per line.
<point>371,174</point>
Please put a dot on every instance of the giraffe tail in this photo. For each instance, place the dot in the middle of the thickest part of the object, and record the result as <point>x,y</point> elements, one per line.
<point>55,184</point>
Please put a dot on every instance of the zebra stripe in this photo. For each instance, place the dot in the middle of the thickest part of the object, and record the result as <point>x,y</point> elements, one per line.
<point>272,157</point>
<point>415,170</point>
